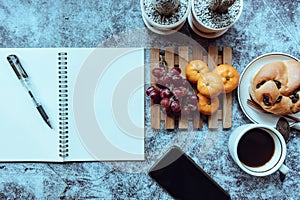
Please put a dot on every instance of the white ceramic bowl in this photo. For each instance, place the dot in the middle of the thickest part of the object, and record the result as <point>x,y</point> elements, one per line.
<point>160,27</point>
<point>206,29</point>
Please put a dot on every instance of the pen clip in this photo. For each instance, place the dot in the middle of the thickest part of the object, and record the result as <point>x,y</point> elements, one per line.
<point>17,67</point>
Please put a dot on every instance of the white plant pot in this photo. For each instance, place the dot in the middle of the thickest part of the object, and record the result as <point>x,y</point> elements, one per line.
<point>206,31</point>
<point>161,31</point>
<point>164,29</point>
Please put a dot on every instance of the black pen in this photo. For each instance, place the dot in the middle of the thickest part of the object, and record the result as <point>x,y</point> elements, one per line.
<point>23,77</point>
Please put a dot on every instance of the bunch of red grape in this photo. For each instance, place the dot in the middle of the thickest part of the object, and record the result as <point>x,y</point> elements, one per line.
<point>172,92</point>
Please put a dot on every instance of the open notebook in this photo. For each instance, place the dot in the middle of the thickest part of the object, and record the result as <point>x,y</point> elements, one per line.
<point>94,98</point>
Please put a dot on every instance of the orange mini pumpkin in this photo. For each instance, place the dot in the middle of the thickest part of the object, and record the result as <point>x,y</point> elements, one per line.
<point>206,105</point>
<point>230,76</point>
<point>210,84</point>
<point>194,70</point>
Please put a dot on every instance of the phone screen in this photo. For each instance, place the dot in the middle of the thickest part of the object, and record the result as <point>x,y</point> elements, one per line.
<point>183,179</point>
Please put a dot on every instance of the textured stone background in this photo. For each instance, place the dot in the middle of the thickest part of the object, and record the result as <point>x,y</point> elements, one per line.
<point>265,26</point>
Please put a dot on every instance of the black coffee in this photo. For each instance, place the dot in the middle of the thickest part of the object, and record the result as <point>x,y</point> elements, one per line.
<point>255,148</point>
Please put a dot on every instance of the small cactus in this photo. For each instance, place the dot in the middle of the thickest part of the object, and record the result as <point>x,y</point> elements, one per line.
<point>220,6</point>
<point>166,7</point>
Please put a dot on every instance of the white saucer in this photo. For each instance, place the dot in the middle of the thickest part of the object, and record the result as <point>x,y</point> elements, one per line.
<point>202,34</point>
<point>244,84</point>
<point>161,32</point>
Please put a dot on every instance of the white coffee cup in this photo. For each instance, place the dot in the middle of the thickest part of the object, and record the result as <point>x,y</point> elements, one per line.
<point>273,164</point>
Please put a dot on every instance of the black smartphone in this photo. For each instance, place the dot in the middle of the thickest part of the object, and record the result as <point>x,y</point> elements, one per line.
<point>182,178</point>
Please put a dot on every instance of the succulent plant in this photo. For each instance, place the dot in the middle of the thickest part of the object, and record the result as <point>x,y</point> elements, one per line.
<point>220,6</point>
<point>166,7</point>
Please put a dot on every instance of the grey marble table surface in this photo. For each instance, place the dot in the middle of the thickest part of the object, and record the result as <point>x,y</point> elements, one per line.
<point>264,27</point>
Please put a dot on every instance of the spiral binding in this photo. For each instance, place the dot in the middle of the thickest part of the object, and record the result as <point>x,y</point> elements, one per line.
<point>63,105</point>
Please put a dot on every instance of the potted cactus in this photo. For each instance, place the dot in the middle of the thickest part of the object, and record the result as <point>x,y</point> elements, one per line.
<point>165,16</point>
<point>166,7</point>
<point>220,6</point>
<point>212,18</point>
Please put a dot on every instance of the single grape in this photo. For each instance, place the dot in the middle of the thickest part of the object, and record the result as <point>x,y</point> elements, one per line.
<point>166,93</point>
<point>165,102</point>
<point>160,83</point>
<point>155,96</point>
<point>184,90</point>
<point>157,72</point>
<point>150,89</point>
<point>178,92</point>
<point>175,71</point>
<point>185,83</point>
<point>177,80</point>
<point>166,79</point>
<point>175,106</point>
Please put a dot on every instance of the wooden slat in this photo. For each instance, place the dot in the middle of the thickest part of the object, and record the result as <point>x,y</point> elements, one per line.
<point>219,114</point>
<point>183,58</point>
<point>213,120</point>
<point>154,109</point>
<point>205,59</point>
<point>183,61</point>
<point>227,98</point>
<point>220,59</point>
<point>162,116</point>
<point>169,57</point>
<point>176,61</point>
<point>227,110</point>
<point>197,54</point>
<point>227,55</point>
<point>212,62</point>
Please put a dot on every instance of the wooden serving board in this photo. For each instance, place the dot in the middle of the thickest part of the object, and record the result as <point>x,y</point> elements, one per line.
<point>180,57</point>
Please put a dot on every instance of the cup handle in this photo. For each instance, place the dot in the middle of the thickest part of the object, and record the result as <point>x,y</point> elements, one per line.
<point>296,126</point>
<point>284,169</point>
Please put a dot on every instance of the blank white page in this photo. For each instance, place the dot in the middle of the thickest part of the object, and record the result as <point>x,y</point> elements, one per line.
<point>106,95</point>
<point>24,136</point>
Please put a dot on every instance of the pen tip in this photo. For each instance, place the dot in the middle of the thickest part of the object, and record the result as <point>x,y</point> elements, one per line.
<point>49,124</point>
